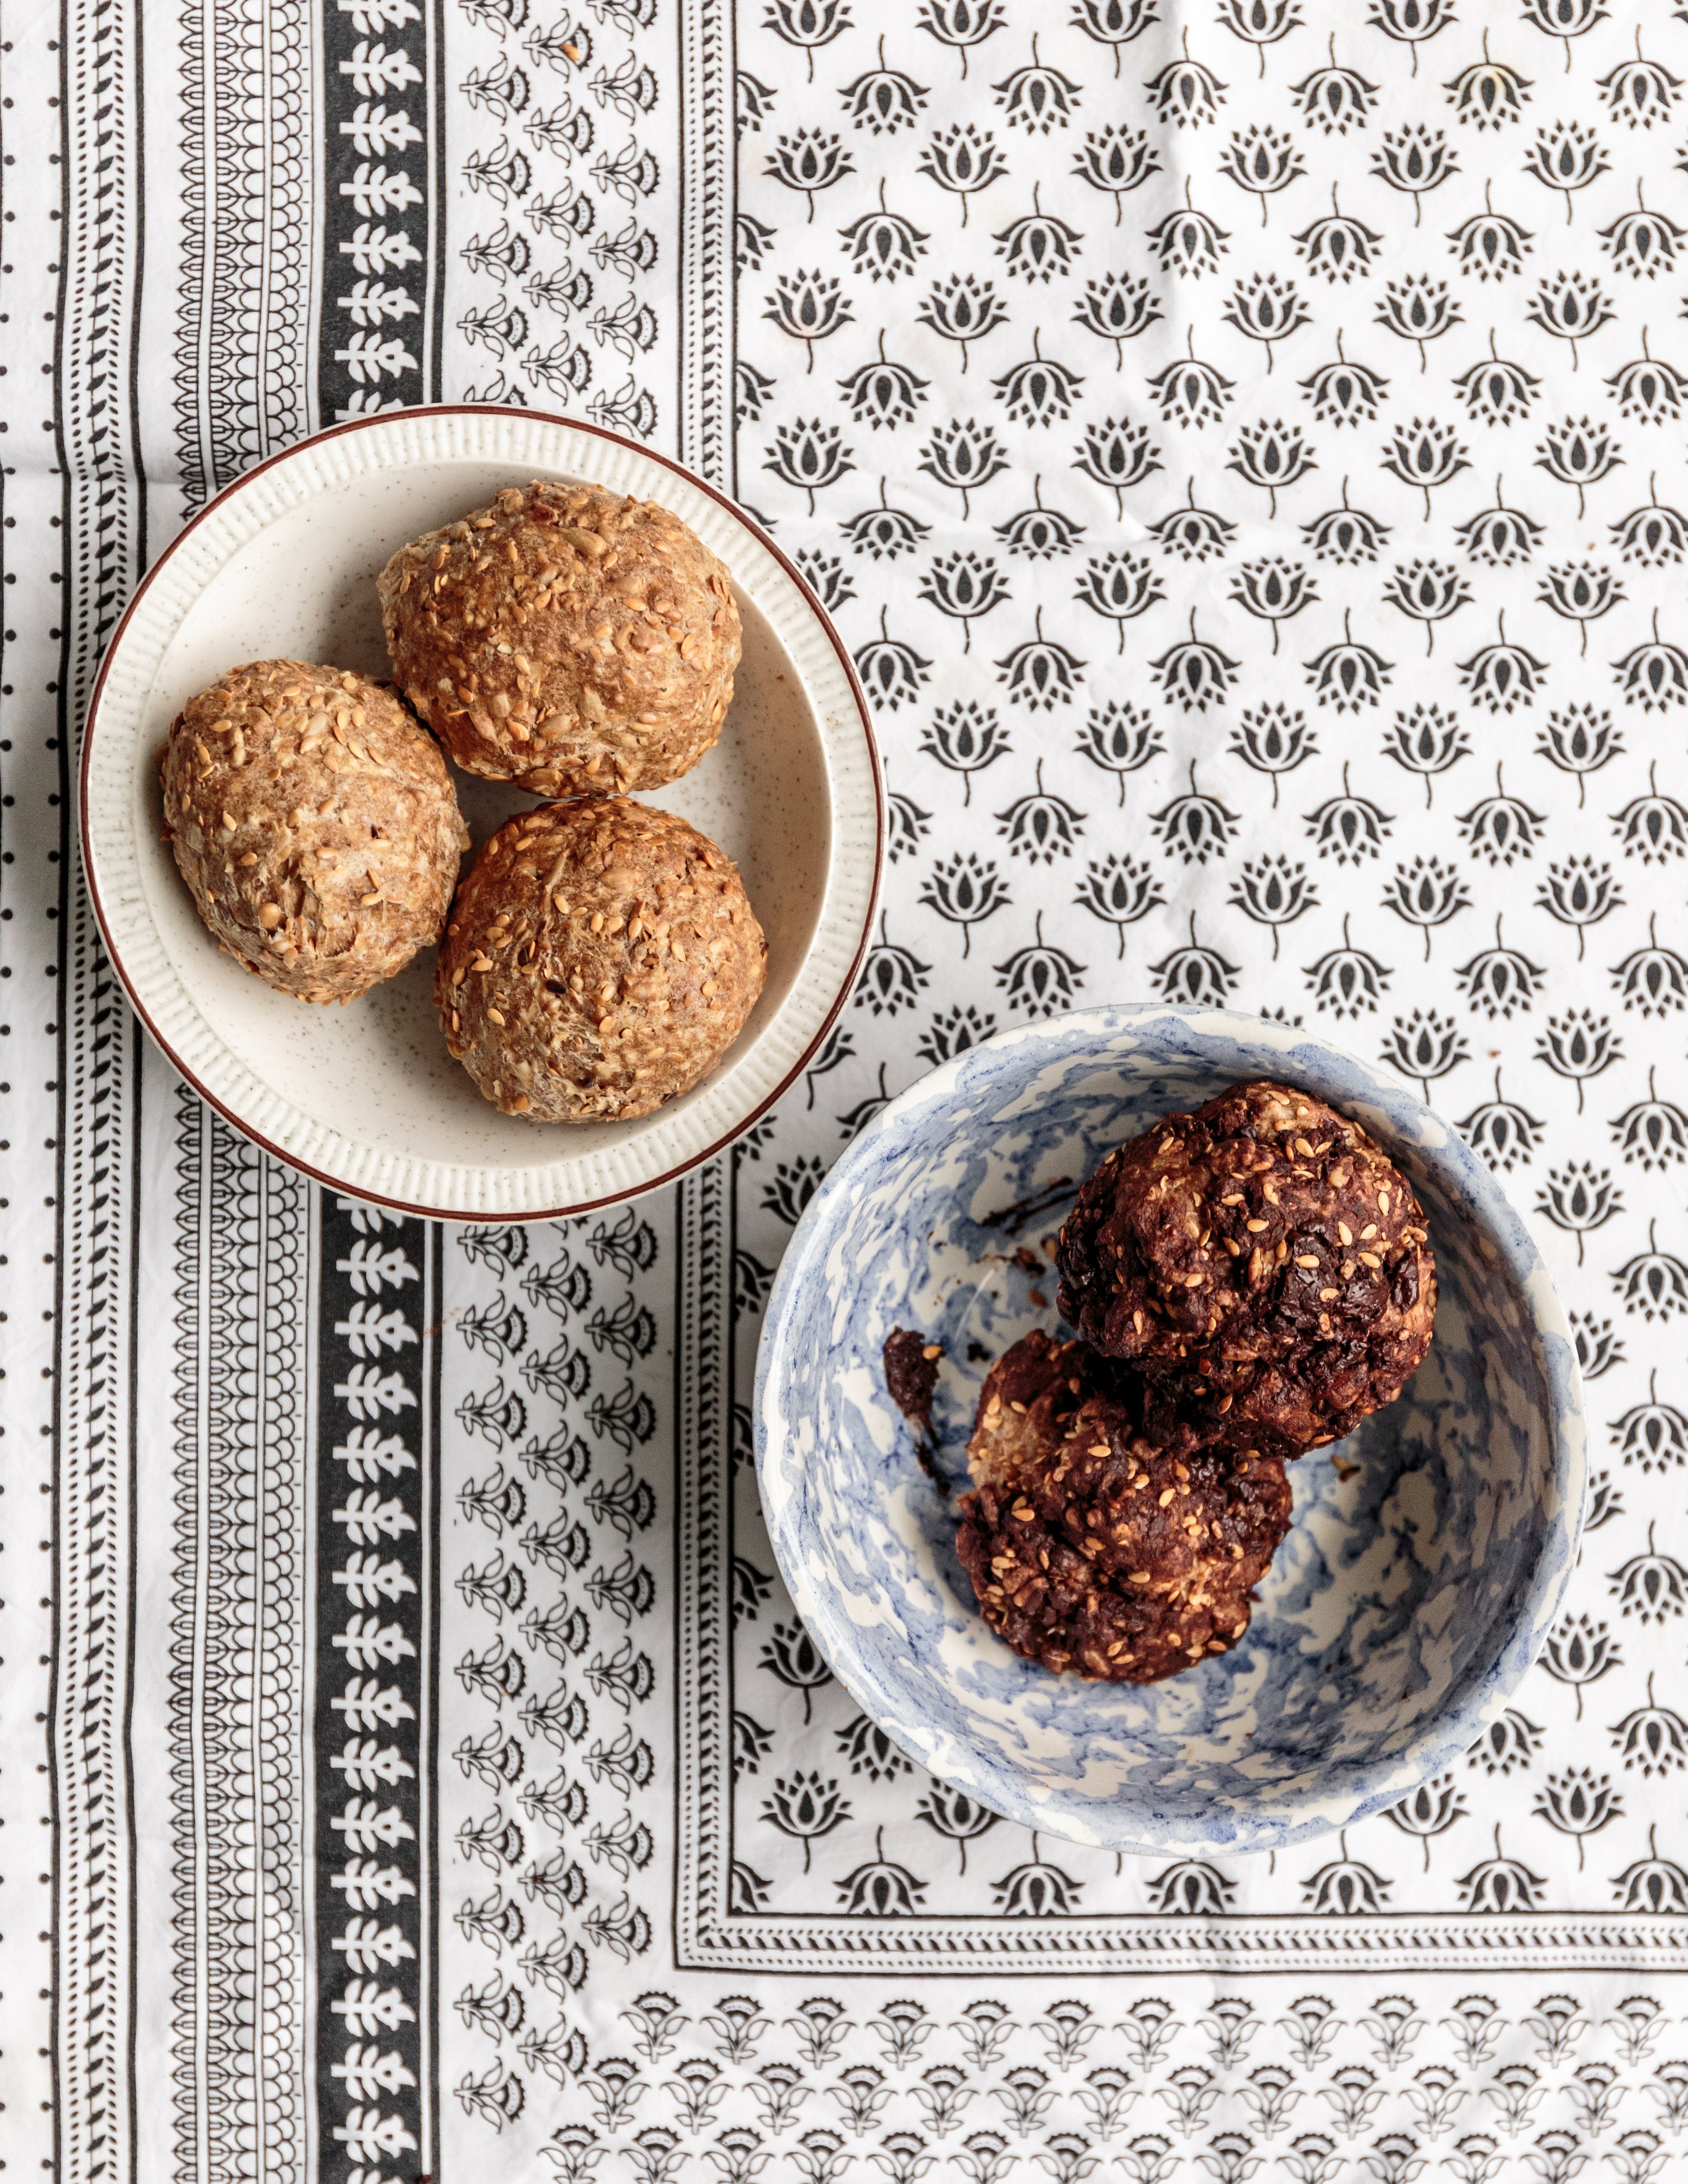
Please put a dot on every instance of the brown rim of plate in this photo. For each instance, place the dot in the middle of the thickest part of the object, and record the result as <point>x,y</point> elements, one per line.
<point>805,592</point>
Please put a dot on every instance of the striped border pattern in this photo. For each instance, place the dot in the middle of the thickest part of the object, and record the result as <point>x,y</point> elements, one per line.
<point>376,1531</point>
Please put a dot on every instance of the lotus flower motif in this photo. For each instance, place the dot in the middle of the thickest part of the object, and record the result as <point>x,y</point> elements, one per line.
<point>1192,1887</point>
<point>1186,92</point>
<point>1261,160</point>
<point>955,1815</point>
<point>1653,676</point>
<point>891,670</point>
<point>1117,159</point>
<point>1120,740</point>
<point>1640,92</point>
<point>1273,892</point>
<point>1653,1435</point>
<point>1194,978</point>
<point>1578,741</point>
<point>1191,393</point>
<point>1501,827</point>
<point>1413,159</point>
<point>1651,1586</point>
<point>1338,246</point>
<point>1650,389</point>
<point>809,457</point>
<point>963,309</point>
<point>885,100</point>
<point>1654,1282</point>
<point>1490,245</point>
<point>1348,675</point>
<point>1038,245</point>
<point>1654,827</point>
<point>886,533</point>
<point>1500,979</point>
<point>1116,308</point>
<point>1118,891</point>
<point>1040,533</point>
<point>1426,742</point>
<point>883,244</point>
<point>1335,99</point>
<point>884,393</point>
<point>1119,587</point>
<point>1344,393</point>
<point>1500,1884</point>
<point>1345,1888</point>
<point>881,1888</point>
<point>1198,534</point>
<point>1510,1741</point>
<point>1643,244</point>
<point>1036,1891</point>
<point>1349,828</point>
<point>1653,1131</point>
<point>1197,674</point>
<point>1501,1132</point>
<point>1189,242</point>
<point>1347,980</point>
<point>1345,534</point>
<point>1654,536</point>
<point>1579,454</point>
<point>1042,826</point>
<point>1041,673</point>
<point>1501,676</point>
<point>1426,894</point>
<point>1273,590</point>
<point>963,160</point>
<point>1579,893</point>
<point>1411,21</point>
<point>1497,391</point>
<point>1042,978</point>
<point>961,24</point>
<point>808,160</point>
<point>1488,94</point>
<point>1651,1884</point>
<point>1039,391</point>
<point>1037,98</point>
<point>1274,741</point>
<point>1429,592</point>
<point>965,891</point>
<point>893,978</point>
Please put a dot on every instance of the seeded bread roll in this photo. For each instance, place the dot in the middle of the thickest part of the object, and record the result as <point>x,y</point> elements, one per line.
<point>315,824</point>
<point>1262,1258</point>
<point>1104,1536</point>
<point>600,959</point>
<point>565,639</point>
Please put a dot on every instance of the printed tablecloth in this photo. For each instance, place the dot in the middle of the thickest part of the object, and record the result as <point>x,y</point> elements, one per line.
<point>1243,442</point>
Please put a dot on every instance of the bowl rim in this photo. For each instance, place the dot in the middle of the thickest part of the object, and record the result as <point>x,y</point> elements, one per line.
<point>111,934</point>
<point>1537,1605</point>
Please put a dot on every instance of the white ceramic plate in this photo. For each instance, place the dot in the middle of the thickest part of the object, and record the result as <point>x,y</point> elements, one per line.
<point>283,564</point>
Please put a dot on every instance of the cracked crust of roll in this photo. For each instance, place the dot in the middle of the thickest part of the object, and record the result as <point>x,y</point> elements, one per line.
<point>1103,1537</point>
<point>565,639</point>
<point>315,824</point>
<point>1262,1256</point>
<point>600,958</point>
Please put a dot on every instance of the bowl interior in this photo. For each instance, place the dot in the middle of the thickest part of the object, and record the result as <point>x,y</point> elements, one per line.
<point>304,589</point>
<point>1427,1551</point>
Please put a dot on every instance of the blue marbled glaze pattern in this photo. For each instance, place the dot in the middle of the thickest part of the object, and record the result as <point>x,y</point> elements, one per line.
<point>1430,1551</point>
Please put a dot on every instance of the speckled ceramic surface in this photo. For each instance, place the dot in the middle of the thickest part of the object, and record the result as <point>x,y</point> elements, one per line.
<point>1428,1552</point>
<point>283,564</point>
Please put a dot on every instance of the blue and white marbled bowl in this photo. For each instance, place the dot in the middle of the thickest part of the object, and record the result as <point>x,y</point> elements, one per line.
<point>1430,1551</point>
